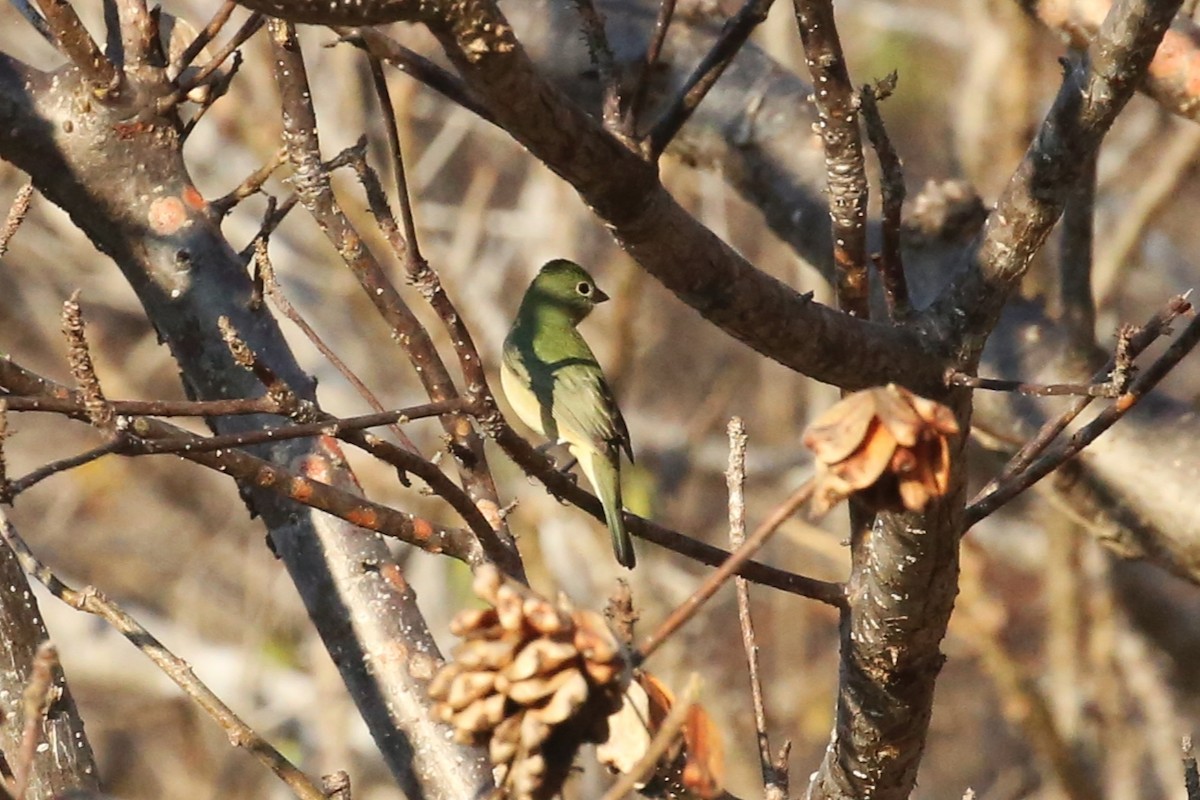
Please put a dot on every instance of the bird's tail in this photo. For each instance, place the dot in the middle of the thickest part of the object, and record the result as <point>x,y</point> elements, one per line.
<point>605,475</point>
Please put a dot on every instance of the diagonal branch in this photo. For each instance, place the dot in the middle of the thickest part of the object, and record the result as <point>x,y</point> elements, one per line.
<point>673,246</point>
<point>1088,102</point>
<point>154,224</point>
<point>736,32</point>
<point>90,600</point>
<point>316,192</point>
<point>62,759</point>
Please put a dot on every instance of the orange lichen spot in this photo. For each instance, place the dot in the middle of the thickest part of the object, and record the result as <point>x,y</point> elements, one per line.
<point>167,215</point>
<point>193,199</point>
<point>129,130</point>
<point>392,573</point>
<point>422,530</point>
<point>302,490</point>
<point>364,517</point>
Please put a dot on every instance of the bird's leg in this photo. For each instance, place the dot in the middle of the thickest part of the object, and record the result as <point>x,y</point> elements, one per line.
<point>545,449</point>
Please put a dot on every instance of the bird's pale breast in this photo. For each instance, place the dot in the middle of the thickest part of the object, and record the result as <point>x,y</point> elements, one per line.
<point>521,398</point>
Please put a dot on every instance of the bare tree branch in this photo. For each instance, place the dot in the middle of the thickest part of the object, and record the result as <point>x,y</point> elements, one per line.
<point>66,761</point>
<point>1091,96</point>
<point>845,166</point>
<point>154,224</point>
<point>91,601</point>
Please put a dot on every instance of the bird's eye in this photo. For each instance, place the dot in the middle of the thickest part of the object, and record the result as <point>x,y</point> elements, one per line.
<point>584,288</point>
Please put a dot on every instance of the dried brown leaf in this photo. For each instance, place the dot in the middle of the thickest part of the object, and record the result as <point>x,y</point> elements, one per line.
<point>704,769</point>
<point>840,429</point>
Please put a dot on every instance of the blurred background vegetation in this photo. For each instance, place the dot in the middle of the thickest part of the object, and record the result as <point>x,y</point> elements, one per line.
<point>1059,656</point>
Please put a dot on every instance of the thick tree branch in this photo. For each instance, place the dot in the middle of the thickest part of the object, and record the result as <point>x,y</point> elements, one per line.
<point>1091,96</point>
<point>680,252</point>
<point>746,129</point>
<point>155,226</point>
<point>65,761</point>
<point>1171,78</point>
<point>845,167</point>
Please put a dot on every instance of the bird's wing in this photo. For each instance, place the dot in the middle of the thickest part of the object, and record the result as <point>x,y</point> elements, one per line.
<point>584,405</point>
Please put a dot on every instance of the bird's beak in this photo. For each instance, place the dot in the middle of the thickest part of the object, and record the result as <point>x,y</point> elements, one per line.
<point>599,296</point>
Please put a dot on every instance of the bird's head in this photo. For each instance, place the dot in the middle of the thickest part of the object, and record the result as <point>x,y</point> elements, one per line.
<point>567,286</point>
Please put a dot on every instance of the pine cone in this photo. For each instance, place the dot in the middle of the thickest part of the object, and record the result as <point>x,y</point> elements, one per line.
<point>531,679</point>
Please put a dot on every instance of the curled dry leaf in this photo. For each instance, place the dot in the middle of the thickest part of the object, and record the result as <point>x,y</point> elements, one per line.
<point>533,680</point>
<point>886,444</point>
<point>693,768</point>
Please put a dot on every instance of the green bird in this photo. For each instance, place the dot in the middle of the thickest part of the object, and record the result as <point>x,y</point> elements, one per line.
<point>552,380</point>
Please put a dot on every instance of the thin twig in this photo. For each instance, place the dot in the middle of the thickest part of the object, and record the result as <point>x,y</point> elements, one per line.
<point>412,248</point>
<point>688,608</point>
<point>93,602</point>
<point>10,490</point>
<point>1053,459</point>
<point>315,493</point>
<point>73,40</point>
<point>662,741</point>
<point>889,262</point>
<point>79,357</point>
<point>149,408</point>
<point>666,11</point>
<point>313,185</point>
<point>252,184</point>
<point>191,446</point>
<point>1131,345</point>
<point>1075,263</point>
<point>209,93</point>
<point>286,400</point>
<point>273,217</point>
<point>3,456</point>
<point>613,106</point>
<point>240,37</point>
<point>304,488</point>
<point>16,215</point>
<point>1104,389</point>
<point>1191,775</point>
<point>735,33</point>
<point>331,426</point>
<point>265,271</point>
<point>539,466</point>
<point>735,480</point>
<point>416,65</point>
<point>468,449</point>
<point>214,26</point>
